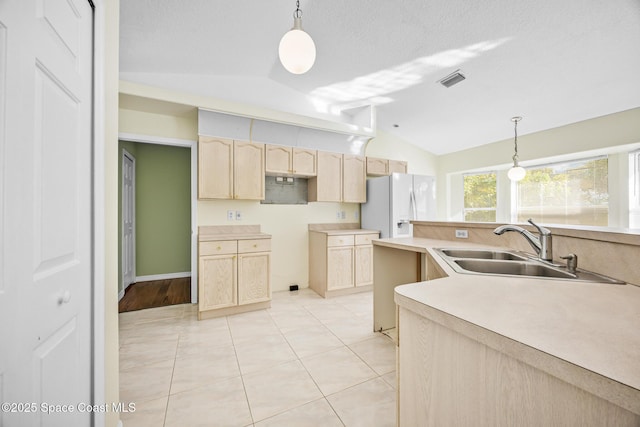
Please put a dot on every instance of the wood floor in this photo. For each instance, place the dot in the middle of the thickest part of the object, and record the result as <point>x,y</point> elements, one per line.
<point>157,293</point>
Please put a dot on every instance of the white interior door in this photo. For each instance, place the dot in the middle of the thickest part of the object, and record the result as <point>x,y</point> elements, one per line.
<point>128,219</point>
<point>45,215</point>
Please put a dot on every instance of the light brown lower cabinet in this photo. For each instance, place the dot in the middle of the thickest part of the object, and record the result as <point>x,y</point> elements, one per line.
<point>234,276</point>
<point>450,378</point>
<point>340,264</point>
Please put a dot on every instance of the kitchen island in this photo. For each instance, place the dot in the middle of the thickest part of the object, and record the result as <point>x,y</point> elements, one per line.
<point>489,350</point>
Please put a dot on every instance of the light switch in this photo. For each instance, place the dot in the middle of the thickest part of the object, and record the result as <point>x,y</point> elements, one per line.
<point>238,215</point>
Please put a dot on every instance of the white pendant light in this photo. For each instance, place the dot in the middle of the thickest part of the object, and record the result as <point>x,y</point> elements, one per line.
<point>297,51</point>
<point>517,172</point>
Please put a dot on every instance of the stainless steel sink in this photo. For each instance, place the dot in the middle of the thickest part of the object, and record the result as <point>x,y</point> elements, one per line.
<point>514,263</point>
<point>483,254</point>
<point>512,268</point>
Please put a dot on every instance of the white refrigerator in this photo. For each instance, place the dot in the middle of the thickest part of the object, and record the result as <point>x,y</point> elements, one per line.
<point>393,201</point>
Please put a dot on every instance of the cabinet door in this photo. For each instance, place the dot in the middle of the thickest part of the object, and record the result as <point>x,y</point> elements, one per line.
<point>215,168</point>
<point>354,179</point>
<point>278,159</point>
<point>377,167</point>
<point>248,171</point>
<point>304,162</point>
<point>327,185</point>
<point>397,166</point>
<point>217,282</point>
<point>339,267</point>
<point>363,260</point>
<point>254,277</point>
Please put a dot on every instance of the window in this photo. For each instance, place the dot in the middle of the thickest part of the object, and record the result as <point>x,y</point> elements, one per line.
<point>480,197</point>
<point>574,192</point>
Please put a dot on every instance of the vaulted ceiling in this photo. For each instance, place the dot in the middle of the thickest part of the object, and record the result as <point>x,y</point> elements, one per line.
<point>552,62</point>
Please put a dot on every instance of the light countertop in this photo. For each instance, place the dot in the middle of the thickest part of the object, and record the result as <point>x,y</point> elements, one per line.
<point>345,232</point>
<point>238,236</point>
<point>584,333</point>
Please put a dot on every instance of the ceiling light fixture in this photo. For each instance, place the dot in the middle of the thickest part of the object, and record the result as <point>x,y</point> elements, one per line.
<point>517,172</point>
<point>297,51</point>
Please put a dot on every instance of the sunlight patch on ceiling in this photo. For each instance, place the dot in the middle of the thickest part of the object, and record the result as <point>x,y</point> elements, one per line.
<point>375,86</point>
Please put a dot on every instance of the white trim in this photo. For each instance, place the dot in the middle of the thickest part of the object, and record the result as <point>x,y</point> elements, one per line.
<point>99,222</point>
<point>121,295</point>
<point>147,139</point>
<point>193,145</point>
<point>167,276</point>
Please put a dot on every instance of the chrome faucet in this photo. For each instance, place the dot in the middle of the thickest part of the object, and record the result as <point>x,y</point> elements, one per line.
<point>541,244</point>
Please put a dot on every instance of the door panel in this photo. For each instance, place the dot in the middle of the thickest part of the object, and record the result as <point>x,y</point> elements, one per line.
<point>46,154</point>
<point>128,220</point>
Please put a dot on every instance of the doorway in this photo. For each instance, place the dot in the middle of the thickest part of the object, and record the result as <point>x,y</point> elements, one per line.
<point>161,250</point>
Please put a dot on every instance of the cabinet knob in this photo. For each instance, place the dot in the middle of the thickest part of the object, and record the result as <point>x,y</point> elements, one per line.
<point>218,248</point>
<point>255,245</point>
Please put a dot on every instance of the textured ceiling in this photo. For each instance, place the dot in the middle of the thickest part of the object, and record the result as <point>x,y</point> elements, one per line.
<point>552,62</point>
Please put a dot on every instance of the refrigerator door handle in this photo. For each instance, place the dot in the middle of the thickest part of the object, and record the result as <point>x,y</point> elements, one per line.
<point>412,201</point>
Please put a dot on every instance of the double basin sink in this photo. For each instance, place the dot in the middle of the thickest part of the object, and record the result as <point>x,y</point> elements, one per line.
<point>514,263</point>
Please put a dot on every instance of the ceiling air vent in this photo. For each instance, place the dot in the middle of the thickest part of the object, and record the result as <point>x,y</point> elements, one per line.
<point>453,78</point>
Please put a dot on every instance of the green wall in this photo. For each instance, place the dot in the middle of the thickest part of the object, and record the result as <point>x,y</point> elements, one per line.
<point>163,208</point>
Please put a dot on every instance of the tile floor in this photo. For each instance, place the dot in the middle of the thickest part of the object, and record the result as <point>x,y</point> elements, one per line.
<point>306,361</point>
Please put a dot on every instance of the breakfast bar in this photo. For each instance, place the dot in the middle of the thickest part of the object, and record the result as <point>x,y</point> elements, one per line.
<point>505,350</point>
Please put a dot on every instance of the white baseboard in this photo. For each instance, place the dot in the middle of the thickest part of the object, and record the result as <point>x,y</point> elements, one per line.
<point>167,276</point>
<point>120,294</point>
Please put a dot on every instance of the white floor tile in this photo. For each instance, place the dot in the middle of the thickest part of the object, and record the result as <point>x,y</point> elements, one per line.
<point>371,404</point>
<point>337,369</point>
<point>314,414</point>
<point>220,404</point>
<point>279,389</point>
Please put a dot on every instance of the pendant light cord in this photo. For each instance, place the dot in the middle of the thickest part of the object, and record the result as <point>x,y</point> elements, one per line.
<point>297,13</point>
<point>515,140</point>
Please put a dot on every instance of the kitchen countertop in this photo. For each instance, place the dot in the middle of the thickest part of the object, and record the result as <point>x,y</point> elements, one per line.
<point>209,233</point>
<point>583,333</point>
<point>343,232</point>
<point>232,236</point>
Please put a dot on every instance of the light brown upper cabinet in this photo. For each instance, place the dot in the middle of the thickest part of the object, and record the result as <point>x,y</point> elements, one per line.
<point>282,160</point>
<point>354,179</point>
<point>248,170</point>
<point>326,186</point>
<point>304,161</point>
<point>215,168</point>
<point>377,167</point>
<point>397,166</point>
<point>230,169</point>
<point>383,167</point>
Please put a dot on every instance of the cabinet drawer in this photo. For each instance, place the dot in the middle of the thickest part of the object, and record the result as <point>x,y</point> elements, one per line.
<point>256,245</point>
<point>346,240</point>
<point>365,239</point>
<point>218,247</point>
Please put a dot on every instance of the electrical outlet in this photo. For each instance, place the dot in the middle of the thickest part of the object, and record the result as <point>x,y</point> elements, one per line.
<point>343,215</point>
<point>356,215</point>
<point>338,215</point>
<point>462,234</point>
<point>230,215</point>
<point>238,216</point>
